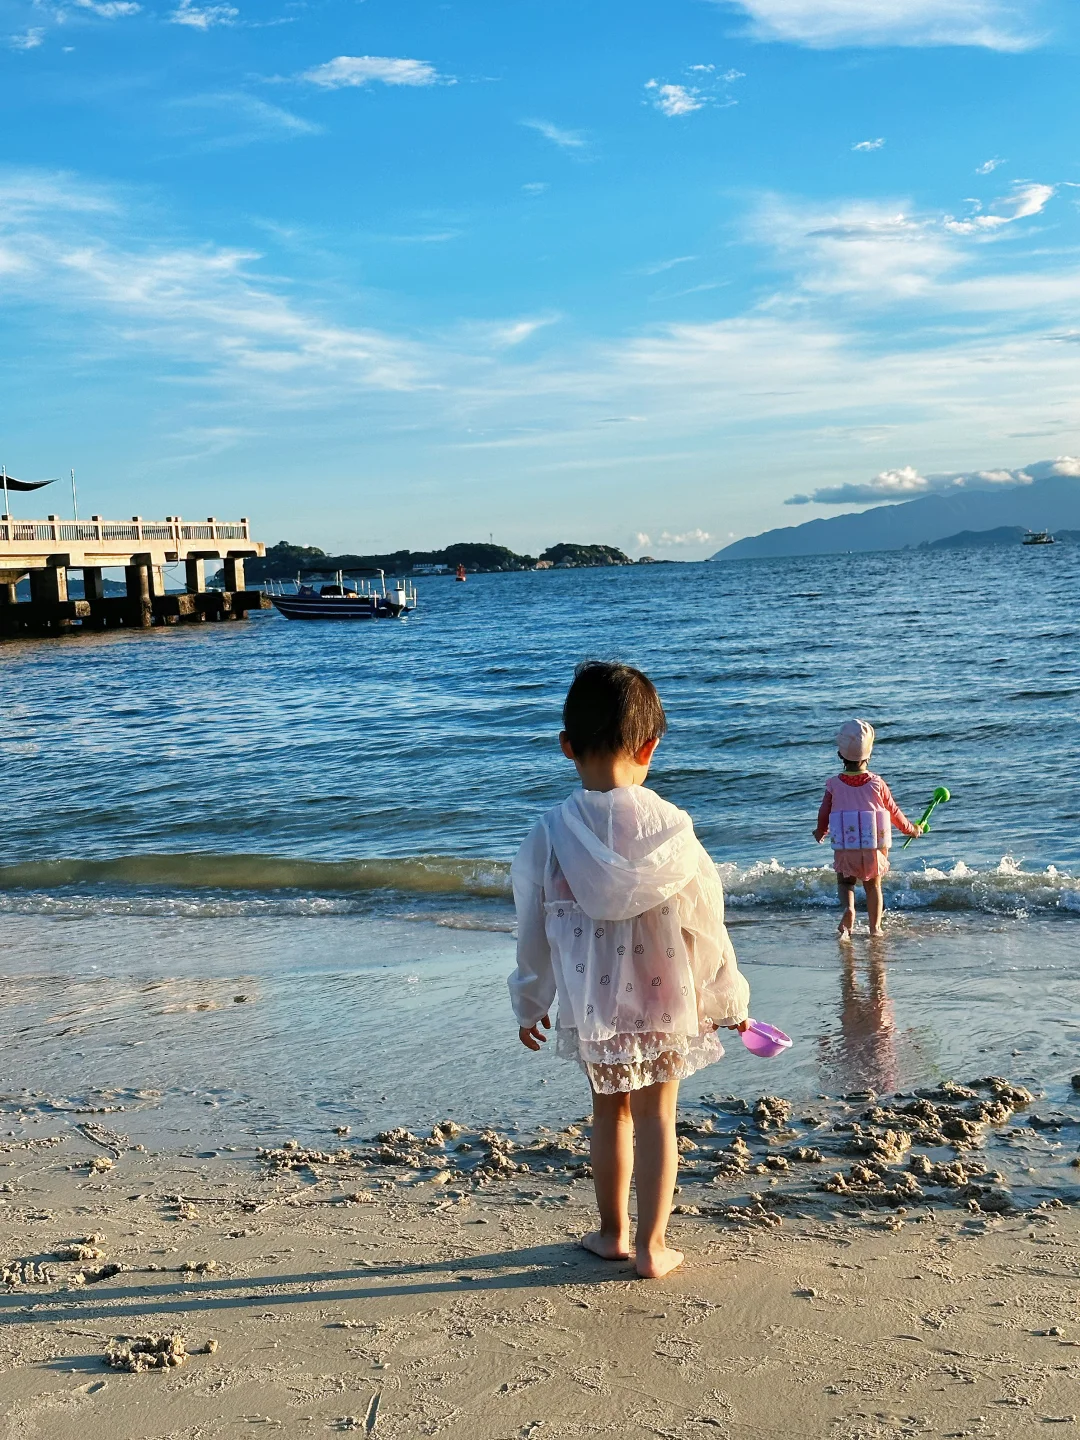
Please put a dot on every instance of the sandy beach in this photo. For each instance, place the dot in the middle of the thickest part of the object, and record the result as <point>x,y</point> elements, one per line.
<point>431,1285</point>
<point>216,1038</point>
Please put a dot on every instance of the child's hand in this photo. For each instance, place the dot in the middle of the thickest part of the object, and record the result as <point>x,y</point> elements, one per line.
<point>817,838</point>
<point>920,829</point>
<point>530,1035</point>
<point>741,1026</point>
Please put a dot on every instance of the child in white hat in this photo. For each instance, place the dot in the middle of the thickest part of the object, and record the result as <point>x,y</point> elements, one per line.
<point>858,813</point>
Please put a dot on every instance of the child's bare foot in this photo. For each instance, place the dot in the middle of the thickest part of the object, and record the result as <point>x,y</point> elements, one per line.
<point>844,929</point>
<point>877,934</point>
<point>608,1247</point>
<point>655,1264</point>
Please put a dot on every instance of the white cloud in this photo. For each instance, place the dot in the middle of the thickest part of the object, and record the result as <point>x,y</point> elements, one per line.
<point>238,119</point>
<point>1029,200</point>
<point>422,237</point>
<point>203,305</point>
<point>109,9</point>
<point>640,541</point>
<point>354,70</point>
<point>988,166</point>
<point>824,24</point>
<point>861,248</point>
<point>26,195</point>
<point>517,331</point>
<point>701,289</point>
<point>869,144</point>
<point>203,17</point>
<point>535,187</point>
<point>28,40</point>
<point>1025,201</point>
<point>659,266</point>
<point>907,484</point>
<point>675,99</point>
<point>707,88</point>
<point>668,541</point>
<point>565,139</point>
<point>882,253</point>
<point>799,383</point>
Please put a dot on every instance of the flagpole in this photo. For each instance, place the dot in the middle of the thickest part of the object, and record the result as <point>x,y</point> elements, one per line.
<point>7,508</point>
<point>74,498</point>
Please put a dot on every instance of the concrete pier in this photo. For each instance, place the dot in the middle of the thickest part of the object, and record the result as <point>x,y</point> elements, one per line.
<point>46,550</point>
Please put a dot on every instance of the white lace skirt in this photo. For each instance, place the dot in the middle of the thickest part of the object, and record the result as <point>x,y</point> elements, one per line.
<point>633,1061</point>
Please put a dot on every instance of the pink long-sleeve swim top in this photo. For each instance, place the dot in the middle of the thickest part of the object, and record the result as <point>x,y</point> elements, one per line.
<point>882,794</point>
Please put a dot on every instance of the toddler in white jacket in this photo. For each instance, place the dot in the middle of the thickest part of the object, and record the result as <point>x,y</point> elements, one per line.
<point>621,915</point>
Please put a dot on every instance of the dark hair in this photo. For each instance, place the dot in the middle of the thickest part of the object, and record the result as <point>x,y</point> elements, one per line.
<point>611,709</point>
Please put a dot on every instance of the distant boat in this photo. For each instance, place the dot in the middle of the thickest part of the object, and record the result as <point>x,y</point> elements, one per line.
<point>459,573</point>
<point>339,602</point>
<point>1038,537</point>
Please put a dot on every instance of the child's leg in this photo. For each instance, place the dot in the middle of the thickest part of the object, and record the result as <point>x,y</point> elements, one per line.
<point>846,890</point>
<point>875,905</point>
<point>612,1156</point>
<point>656,1166</point>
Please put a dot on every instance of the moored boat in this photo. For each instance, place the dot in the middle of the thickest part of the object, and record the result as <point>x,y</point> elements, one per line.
<point>1038,537</point>
<point>336,601</point>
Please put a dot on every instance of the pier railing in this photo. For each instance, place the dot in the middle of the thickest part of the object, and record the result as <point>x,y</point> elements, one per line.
<point>97,529</point>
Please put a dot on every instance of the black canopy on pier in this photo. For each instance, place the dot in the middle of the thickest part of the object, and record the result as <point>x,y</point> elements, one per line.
<point>13,484</point>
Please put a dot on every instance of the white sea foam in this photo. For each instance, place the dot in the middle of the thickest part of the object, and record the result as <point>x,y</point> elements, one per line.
<point>210,886</point>
<point>1005,889</point>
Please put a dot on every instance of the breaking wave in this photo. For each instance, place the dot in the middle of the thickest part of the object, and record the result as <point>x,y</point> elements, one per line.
<point>415,874</point>
<point>1006,889</point>
<point>237,885</point>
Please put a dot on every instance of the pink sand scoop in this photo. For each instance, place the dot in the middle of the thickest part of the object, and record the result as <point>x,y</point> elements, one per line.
<point>765,1040</point>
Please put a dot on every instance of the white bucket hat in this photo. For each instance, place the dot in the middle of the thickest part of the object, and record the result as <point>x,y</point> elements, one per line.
<point>855,740</point>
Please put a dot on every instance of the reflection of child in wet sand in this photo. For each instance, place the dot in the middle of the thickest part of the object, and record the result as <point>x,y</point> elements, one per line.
<point>621,914</point>
<point>858,813</point>
<point>870,1058</point>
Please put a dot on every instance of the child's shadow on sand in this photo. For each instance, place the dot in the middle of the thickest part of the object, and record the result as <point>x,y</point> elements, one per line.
<point>525,1268</point>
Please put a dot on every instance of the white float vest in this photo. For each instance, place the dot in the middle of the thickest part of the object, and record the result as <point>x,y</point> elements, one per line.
<point>860,829</point>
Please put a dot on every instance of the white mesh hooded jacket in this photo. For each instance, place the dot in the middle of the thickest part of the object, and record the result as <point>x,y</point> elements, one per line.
<point>621,914</point>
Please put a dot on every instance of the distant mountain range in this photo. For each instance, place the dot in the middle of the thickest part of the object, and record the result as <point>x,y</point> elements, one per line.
<point>1047,504</point>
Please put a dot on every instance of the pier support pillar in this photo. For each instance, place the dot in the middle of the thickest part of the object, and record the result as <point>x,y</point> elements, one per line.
<point>137,579</point>
<point>49,585</point>
<point>140,589</point>
<point>94,595</point>
<point>196,576</point>
<point>49,610</point>
<point>93,585</point>
<point>8,593</point>
<point>234,572</point>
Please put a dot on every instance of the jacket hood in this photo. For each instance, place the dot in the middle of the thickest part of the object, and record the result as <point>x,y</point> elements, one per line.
<point>622,851</point>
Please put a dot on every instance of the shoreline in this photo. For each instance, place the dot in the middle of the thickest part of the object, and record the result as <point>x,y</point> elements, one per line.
<point>403,1287</point>
<point>250,1028</point>
<point>210,881</point>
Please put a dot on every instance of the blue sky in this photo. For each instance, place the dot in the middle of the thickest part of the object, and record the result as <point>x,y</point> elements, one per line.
<point>380,273</point>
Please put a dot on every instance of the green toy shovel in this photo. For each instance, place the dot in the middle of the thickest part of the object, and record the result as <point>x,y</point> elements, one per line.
<point>939,798</point>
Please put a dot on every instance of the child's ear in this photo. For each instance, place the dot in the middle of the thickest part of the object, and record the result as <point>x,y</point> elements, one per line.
<point>647,751</point>
<point>565,746</point>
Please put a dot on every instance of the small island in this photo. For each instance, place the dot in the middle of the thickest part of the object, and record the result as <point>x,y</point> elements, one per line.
<point>284,560</point>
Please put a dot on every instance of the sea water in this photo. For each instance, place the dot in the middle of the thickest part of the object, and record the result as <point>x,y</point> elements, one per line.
<point>256,876</point>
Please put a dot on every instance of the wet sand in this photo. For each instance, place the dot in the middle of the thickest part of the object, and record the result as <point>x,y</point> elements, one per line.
<point>431,1284</point>
<point>872,1250</point>
<point>248,1028</point>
